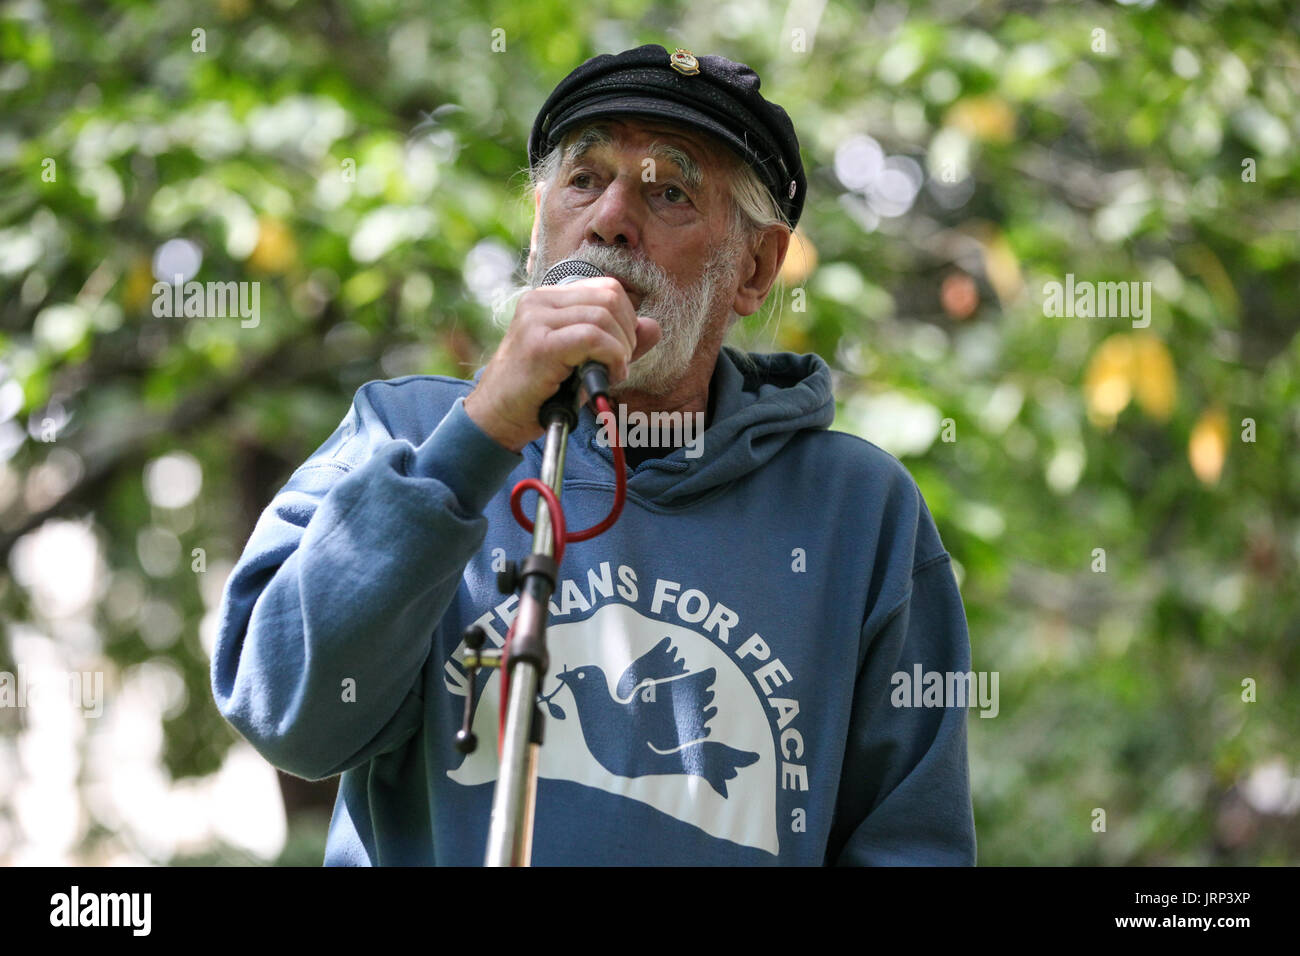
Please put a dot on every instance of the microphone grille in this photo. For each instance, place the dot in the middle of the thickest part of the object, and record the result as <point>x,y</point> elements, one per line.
<point>570,270</point>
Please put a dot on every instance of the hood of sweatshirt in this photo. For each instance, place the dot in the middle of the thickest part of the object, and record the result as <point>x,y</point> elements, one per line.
<point>755,414</point>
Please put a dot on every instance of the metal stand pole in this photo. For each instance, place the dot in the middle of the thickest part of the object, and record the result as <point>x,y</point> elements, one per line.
<point>510,833</point>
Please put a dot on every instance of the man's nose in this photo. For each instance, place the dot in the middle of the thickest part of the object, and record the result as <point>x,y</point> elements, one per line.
<point>615,217</point>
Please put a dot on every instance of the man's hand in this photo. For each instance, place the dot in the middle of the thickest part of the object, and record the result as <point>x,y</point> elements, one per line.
<point>555,329</point>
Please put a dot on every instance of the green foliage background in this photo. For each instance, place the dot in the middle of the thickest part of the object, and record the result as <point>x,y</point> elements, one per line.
<point>1120,690</point>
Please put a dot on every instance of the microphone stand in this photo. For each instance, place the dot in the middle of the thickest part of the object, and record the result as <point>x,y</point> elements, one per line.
<point>510,833</point>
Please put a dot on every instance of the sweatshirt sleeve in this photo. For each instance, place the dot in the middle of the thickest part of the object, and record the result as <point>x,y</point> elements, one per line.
<point>905,792</point>
<point>327,618</point>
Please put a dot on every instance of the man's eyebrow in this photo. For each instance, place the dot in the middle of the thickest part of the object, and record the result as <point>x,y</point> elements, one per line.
<point>692,175</point>
<point>588,138</point>
<point>593,136</point>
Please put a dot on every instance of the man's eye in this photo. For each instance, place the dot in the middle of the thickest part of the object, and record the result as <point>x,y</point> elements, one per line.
<point>581,180</point>
<point>673,191</point>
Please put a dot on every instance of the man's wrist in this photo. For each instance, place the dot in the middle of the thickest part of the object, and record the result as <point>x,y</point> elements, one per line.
<point>489,424</point>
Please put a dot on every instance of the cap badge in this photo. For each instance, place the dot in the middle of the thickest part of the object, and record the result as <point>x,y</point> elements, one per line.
<point>684,62</point>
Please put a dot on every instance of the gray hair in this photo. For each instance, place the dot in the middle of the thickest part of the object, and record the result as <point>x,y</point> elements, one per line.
<point>753,207</point>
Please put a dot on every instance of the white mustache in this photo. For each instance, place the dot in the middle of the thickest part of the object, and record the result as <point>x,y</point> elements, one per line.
<point>643,276</point>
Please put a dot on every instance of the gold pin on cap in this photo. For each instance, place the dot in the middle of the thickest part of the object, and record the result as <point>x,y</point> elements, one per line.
<point>684,62</point>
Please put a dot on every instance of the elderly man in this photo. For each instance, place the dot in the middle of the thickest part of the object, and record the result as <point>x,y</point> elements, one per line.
<point>727,660</point>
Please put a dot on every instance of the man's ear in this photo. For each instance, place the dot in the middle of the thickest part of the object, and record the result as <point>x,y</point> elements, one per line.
<point>759,269</point>
<point>537,220</point>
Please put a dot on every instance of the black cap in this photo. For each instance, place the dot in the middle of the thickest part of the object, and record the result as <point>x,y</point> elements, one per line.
<point>708,92</point>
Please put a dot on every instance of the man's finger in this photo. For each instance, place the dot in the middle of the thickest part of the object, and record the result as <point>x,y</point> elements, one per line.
<point>648,335</point>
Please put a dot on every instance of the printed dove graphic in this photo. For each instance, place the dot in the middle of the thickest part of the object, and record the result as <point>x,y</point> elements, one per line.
<point>660,704</point>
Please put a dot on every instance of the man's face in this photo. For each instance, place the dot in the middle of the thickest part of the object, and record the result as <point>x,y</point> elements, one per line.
<point>667,238</point>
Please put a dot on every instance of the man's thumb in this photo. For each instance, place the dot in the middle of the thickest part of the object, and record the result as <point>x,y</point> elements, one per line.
<point>648,334</point>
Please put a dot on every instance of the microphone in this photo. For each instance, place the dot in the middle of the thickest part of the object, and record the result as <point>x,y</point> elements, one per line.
<point>570,270</point>
<point>593,375</point>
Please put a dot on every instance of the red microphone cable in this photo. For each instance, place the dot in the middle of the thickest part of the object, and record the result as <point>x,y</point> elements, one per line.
<point>559,535</point>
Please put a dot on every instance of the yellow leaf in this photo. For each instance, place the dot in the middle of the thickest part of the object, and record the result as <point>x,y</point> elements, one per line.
<point>1153,376</point>
<point>794,339</point>
<point>1001,265</point>
<point>276,250</point>
<point>1003,268</point>
<point>138,288</point>
<point>1107,383</point>
<point>983,117</point>
<point>1208,445</point>
<point>1206,266</point>
<point>800,260</point>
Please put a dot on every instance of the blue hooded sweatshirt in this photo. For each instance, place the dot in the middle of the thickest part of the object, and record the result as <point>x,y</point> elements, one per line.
<point>734,665</point>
